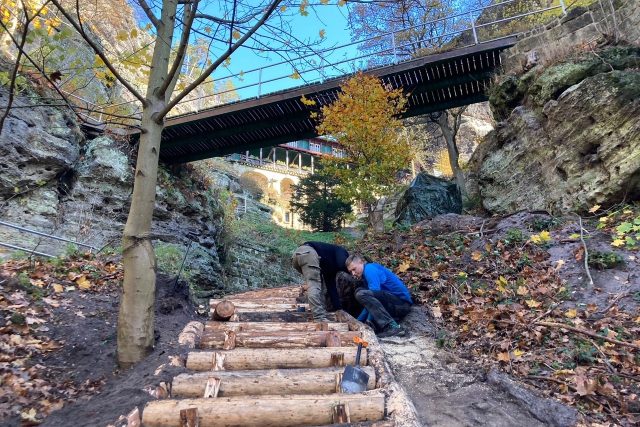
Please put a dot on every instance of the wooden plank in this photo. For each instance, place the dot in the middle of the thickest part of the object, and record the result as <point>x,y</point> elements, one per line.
<point>261,382</point>
<point>266,411</point>
<point>274,358</point>
<point>276,339</point>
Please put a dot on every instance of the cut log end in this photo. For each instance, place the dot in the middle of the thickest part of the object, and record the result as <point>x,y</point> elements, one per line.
<point>224,310</point>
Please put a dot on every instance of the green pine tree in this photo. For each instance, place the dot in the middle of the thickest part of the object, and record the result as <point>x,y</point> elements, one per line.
<point>314,199</point>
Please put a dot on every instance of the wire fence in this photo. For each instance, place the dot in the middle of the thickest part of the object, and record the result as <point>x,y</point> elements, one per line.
<point>34,251</point>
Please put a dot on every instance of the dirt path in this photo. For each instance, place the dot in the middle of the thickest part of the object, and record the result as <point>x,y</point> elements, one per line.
<point>447,390</point>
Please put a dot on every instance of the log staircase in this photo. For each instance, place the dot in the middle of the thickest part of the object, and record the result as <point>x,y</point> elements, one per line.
<point>263,362</point>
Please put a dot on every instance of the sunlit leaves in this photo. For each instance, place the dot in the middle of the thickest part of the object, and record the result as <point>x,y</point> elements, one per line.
<point>542,238</point>
<point>322,33</point>
<point>364,121</point>
<point>304,8</point>
<point>295,75</point>
<point>236,35</point>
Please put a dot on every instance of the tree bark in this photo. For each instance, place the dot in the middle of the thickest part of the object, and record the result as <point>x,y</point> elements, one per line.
<point>268,411</point>
<point>272,358</point>
<point>136,316</point>
<point>449,135</point>
<point>261,382</point>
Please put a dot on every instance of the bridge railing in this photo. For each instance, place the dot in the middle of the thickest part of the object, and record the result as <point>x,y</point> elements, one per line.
<point>462,29</point>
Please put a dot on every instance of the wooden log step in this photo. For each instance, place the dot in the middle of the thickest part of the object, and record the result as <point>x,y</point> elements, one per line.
<point>266,300</point>
<point>244,306</point>
<point>228,340</point>
<point>267,411</point>
<point>287,316</point>
<point>212,326</point>
<point>285,292</point>
<point>261,382</point>
<point>274,358</point>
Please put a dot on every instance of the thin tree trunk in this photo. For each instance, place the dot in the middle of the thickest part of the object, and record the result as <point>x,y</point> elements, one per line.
<point>136,317</point>
<point>452,149</point>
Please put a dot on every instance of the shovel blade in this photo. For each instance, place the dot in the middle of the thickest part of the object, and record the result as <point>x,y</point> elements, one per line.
<point>354,380</point>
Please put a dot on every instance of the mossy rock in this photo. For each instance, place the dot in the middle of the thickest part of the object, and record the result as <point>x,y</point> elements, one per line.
<point>556,79</point>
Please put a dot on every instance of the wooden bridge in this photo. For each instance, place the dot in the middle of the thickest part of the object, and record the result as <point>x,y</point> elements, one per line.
<point>268,364</point>
<point>432,83</point>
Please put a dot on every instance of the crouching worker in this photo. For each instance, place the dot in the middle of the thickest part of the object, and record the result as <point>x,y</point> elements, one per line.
<point>319,263</point>
<point>386,300</point>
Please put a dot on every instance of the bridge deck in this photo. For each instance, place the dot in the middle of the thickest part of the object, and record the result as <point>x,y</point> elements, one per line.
<point>433,83</point>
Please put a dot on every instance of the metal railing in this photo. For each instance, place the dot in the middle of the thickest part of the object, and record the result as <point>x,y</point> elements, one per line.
<point>39,233</point>
<point>318,69</point>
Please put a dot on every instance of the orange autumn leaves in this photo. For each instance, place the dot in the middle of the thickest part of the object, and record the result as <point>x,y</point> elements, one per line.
<point>365,121</point>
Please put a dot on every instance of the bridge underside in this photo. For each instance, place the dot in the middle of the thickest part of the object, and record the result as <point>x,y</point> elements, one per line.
<point>433,83</point>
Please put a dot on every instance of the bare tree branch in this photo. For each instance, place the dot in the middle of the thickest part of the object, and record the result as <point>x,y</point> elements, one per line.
<point>20,46</point>
<point>147,10</point>
<point>219,61</point>
<point>98,50</point>
<point>172,76</point>
<point>217,20</point>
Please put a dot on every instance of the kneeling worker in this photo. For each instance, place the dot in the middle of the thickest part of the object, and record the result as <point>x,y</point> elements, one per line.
<point>386,300</point>
<point>319,263</point>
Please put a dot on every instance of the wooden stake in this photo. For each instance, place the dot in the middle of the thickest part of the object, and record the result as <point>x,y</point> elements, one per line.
<point>229,340</point>
<point>212,388</point>
<point>341,413</point>
<point>189,417</point>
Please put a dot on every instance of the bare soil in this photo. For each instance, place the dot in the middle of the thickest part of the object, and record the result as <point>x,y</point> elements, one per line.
<point>86,325</point>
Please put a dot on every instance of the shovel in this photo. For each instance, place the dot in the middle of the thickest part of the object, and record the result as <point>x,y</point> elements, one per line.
<point>354,379</point>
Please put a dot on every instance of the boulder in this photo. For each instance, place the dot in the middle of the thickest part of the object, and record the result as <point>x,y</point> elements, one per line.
<point>426,197</point>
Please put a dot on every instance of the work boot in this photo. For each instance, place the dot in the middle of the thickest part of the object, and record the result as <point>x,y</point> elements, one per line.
<point>392,330</point>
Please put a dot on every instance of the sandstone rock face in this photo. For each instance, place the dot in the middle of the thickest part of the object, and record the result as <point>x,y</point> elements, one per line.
<point>574,142</point>
<point>36,145</point>
<point>81,191</point>
<point>426,197</point>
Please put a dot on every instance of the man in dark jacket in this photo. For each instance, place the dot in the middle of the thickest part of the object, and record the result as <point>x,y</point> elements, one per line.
<point>319,263</point>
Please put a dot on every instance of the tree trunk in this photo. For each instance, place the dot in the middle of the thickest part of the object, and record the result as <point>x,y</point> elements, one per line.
<point>136,316</point>
<point>274,326</point>
<point>376,217</point>
<point>259,339</point>
<point>452,149</point>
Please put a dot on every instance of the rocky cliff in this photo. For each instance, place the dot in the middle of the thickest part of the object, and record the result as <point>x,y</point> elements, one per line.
<point>569,135</point>
<point>54,181</point>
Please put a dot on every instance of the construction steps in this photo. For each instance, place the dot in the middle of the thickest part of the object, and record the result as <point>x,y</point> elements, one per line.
<point>270,365</point>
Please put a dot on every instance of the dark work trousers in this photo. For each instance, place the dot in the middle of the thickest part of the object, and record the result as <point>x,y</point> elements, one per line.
<point>383,306</point>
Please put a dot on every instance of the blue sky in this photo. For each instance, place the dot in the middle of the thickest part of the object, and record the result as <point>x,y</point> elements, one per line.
<point>330,18</point>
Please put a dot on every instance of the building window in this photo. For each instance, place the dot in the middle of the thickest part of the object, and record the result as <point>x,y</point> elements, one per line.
<point>287,217</point>
<point>315,147</point>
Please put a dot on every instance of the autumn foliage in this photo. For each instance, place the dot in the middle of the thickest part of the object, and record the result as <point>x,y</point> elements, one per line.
<point>502,304</point>
<point>365,121</point>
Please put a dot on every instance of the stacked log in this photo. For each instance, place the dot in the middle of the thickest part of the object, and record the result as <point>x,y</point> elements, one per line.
<point>229,339</point>
<point>211,327</point>
<point>267,411</point>
<point>269,358</point>
<point>261,382</point>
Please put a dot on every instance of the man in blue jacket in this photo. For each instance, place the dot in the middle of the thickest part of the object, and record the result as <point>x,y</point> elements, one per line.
<point>386,300</point>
